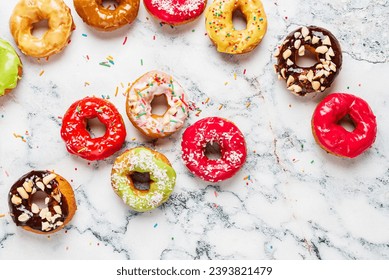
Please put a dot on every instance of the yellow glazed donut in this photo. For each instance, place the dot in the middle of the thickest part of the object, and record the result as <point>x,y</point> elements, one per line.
<point>218,22</point>
<point>28,12</point>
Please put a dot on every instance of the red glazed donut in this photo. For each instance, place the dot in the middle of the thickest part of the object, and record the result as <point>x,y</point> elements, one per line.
<point>230,140</point>
<point>77,138</point>
<point>175,12</point>
<point>332,137</point>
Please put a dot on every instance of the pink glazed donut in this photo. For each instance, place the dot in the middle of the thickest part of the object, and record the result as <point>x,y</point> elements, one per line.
<point>232,147</point>
<point>175,12</point>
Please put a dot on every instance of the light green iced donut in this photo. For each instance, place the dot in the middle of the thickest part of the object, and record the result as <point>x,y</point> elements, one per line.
<point>162,177</point>
<point>10,67</point>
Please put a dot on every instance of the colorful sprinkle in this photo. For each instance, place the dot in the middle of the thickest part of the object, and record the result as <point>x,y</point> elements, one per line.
<point>220,107</point>
<point>125,40</point>
<point>19,136</point>
<point>244,72</point>
<point>155,225</point>
<point>84,35</point>
<point>41,73</point>
<point>141,62</point>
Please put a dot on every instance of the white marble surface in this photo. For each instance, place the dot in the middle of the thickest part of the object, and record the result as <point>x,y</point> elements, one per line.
<point>300,203</point>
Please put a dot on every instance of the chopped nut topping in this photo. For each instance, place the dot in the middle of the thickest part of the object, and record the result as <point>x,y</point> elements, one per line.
<point>304,31</point>
<point>331,52</point>
<point>46,226</point>
<point>319,66</point>
<point>23,217</point>
<point>287,53</point>
<point>306,39</point>
<point>34,208</point>
<point>297,34</point>
<point>328,57</point>
<point>333,67</point>
<point>47,200</point>
<point>297,44</point>
<point>59,223</point>
<point>48,215</point>
<point>57,209</point>
<point>303,78</point>
<point>48,178</point>
<point>27,185</point>
<point>315,39</point>
<point>57,197</point>
<point>43,213</point>
<point>310,75</point>
<point>302,51</point>
<point>295,88</point>
<point>16,200</point>
<point>40,185</point>
<point>327,41</point>
<point>283,70</point>
<point>321,49</point>
<point>56,216</point>
<point>316,85</point>
<point>22,192</point>
<point>323,88</point>
<point>290,81</point>
<point>289,62</point>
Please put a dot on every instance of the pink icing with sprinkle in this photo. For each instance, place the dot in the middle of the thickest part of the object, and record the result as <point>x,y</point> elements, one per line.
<point>175,11</point>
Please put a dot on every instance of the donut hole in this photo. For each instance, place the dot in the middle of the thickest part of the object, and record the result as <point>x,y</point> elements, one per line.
<point>347,123</point>
<point>239,20</point>
<point>95,128</point>
<point>212,151</point>
<point>308,60</point>
<point>40,28</point>
<point>159,105</point>
<point>110,4</point>
<point>140,180</point>
<point>39,199</point>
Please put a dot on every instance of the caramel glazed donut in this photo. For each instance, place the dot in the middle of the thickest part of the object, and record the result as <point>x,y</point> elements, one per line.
<point>96,15</point>
<point>59,201</point>
<point>303,80</point>
<point>28,12</point>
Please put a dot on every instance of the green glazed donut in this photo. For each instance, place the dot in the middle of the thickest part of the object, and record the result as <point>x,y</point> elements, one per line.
<point>142,160</point>
<point>10,67</point>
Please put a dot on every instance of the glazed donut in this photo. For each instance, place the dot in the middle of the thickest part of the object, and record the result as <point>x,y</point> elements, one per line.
<point>143,160</point>
<point>138,107</point>
<point>232,147</point>
<point>11,68</point>
<point>94,14</point>
<point>218,22</point>
<point>175,12</point>
<point>332,137</point>
<point>59,202</point>
<point>28,12</point>
<point>77,138</point>
<point>319,77</point>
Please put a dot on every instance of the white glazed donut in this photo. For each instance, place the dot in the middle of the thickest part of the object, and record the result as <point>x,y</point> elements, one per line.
<point>142,93</point>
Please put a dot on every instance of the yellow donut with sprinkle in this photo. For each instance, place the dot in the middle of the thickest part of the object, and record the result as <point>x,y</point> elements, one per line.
<point>220,29</point>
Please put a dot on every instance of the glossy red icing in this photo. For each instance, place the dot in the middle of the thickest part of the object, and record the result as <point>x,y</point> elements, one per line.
<point>77,138</point>
<point>332,136</point>
<point>175,11</point>
<point>230,140</point>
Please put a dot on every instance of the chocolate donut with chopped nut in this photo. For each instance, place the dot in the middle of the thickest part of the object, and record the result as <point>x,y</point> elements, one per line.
<point>59,204</point>
<point>317,78</point>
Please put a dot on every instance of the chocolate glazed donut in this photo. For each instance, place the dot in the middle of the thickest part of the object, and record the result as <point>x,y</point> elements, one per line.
<point>321,43</point>
<point>59,202</point>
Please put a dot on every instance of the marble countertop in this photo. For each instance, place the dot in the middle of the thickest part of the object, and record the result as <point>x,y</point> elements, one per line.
<point>291,200</point>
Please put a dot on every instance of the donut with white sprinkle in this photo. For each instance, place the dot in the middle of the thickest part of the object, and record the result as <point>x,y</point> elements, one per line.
<point>317,78</point>
<point>175,12</point>
<point>232,147</point>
